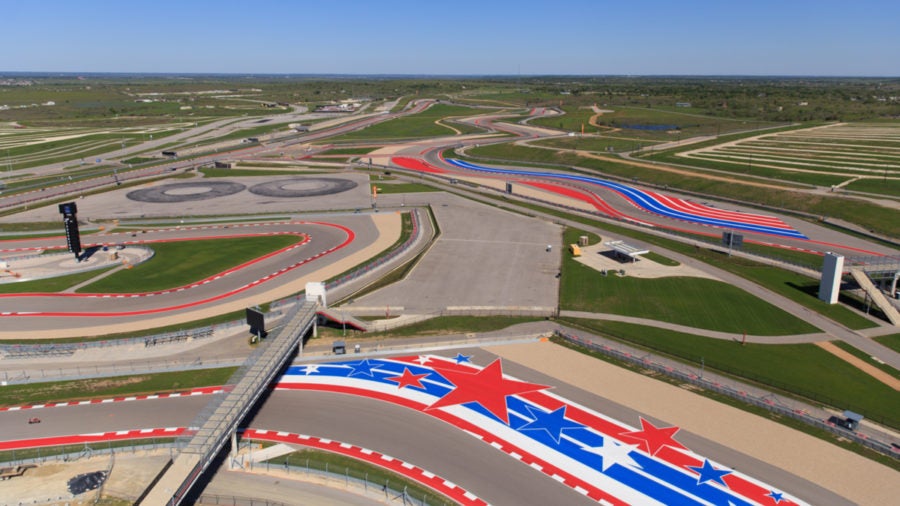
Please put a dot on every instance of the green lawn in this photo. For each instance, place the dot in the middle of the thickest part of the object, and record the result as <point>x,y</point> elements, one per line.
<point>73,390</point>
<point>405,188</point>
<point>207,172</point>
<point>598,143</point>
<point>865,357</point>
<point>802,369</point>
<point>881,186</point>
<point>346,466</point>
<point>892,341</point>
<point>869,215</point>
<point>695,302</point>
<point>50,285</point>
<point>413,126</point>
<point>180,263</point>
<point>572,120</point>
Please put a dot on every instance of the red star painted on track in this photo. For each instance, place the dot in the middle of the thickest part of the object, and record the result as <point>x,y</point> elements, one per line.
<point>652,438</point>
<point>408,379</point>
<point>487,387</point>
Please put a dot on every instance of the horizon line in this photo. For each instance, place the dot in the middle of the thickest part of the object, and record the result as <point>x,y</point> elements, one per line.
<point>36,73</point>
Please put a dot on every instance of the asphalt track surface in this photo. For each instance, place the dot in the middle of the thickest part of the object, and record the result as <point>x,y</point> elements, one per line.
<point>407,438</point>
<point>341,235</point>
<point>610,201</point>
<point>412,436</point>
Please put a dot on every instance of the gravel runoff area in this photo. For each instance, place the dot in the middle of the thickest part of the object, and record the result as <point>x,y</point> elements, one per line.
<point>843,472</point>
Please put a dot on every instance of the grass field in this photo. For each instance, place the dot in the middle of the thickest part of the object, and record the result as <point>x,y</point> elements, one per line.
<point>824,156</point>
<point>871,216</point>
<point>405,188</point>
<point>72,390</point>
<point>51,285</point>
<point>695,302</point>
<point>892,341</point>
<point>414,126</point>
<point>210,172</point>
<point>797,287</point>
<point>802,369</point>
<point>177,264</point>
<point>599,143</point>
<point>347,466</point>
<point>624,121</point>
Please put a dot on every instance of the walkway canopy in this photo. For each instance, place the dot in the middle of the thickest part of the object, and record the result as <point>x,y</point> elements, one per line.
<point>624,249</point>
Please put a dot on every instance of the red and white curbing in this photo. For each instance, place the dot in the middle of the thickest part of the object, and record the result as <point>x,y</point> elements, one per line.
<point>417,474</point>
<point>98,437</point>
<point>189,393</point>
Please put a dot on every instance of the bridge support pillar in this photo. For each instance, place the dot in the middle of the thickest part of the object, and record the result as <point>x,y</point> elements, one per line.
<point>234,449</point>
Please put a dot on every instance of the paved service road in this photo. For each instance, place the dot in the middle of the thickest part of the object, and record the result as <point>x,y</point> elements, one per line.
<point>483,258</point>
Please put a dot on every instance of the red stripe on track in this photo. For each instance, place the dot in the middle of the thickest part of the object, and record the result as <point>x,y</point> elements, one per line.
<point>188,393</point>
<point>90,438</point>
<point>419,165</point>
<point>528,458</point>
<point>417,474</point>
<point>349,239</point>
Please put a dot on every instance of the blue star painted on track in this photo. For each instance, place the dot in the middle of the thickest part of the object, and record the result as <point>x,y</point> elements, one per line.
<point>460,358</point>
<point>553,422</point>
<point>776,496</point>
<point>363,368</point>
<point>709,473</point>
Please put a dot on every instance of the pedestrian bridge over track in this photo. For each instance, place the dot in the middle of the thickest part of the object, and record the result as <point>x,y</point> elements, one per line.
<point>208,434</point>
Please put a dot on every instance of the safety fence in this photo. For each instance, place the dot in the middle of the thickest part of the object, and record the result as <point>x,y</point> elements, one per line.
<point>366,269</point>
<point>28,350</point>
<point>132,367</point>
<point>733,389</point>
<point>233,500</point>
<point>276,311</point>
<point>76,452</point>
<point>302,469</point>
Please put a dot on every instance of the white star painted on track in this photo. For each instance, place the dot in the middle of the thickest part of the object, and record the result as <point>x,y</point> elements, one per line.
<point>310,369</point>
<point>613,453</point>
<point>423,359</point>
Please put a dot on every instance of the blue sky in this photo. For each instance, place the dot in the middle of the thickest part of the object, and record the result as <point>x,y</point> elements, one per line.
<point>640,37</point>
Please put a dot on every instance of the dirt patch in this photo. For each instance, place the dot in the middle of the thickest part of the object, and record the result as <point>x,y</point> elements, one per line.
<point>47,483</point>
<point>690,173</point>
<point>860,364</point>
